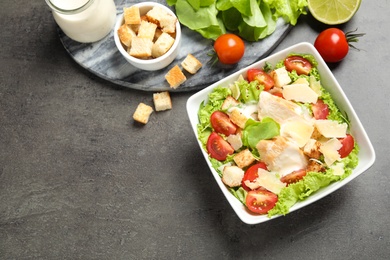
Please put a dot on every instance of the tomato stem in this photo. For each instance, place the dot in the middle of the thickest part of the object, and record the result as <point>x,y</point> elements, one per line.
<point>213,58</point>
<point>353,37</point>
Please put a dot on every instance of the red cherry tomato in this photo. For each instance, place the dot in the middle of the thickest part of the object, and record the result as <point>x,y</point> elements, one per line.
<point>251,174</point>
<point>260,201</point>
<point>262,77</point>
<point>295,176</point>
<point>320,110</point>
<point>348,144</point>
<point>299,64</point>
<point>332,44</point>
<point>229,48</point>
<point>222,124</point>
<point>218,148</point>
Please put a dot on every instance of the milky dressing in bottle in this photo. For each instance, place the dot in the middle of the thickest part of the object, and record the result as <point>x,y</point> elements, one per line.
<point>84,20</point>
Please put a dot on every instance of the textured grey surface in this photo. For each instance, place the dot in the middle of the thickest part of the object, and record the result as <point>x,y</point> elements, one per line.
<point>104,60</point>
<point>80,180</point>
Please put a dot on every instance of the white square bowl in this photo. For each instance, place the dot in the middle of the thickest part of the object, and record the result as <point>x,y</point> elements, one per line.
<point>366,153</point>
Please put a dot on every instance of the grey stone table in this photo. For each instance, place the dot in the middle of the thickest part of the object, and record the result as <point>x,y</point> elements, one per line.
<point>79,179</point>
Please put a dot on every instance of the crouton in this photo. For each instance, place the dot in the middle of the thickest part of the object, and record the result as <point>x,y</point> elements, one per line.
<point>163,19</point>
<point>141,47</point>
<point>312,149</point>
<point>154,15</point>
<point>162,101</point>
<point>147,30</point>
<point>238,118</point>
<point>280,77</point>
<point>142,113</point>
<point>316,134</point>
<point>162,45</point>
<point>229,102</point>
<point>126,34</point>
<point>132,15</point>
<point>315,166</point>
<point>175,77</point>
<point>191,64</point>
<point>168,23</point>
<point>157,34</point>
<point>244,158</point>
<point>232,176</point>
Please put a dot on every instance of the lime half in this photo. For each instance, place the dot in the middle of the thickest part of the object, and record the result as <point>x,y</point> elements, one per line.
<point>333,11</point>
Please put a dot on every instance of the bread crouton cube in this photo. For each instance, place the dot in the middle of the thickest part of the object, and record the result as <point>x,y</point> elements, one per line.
<point>142,113</point>
<point>157,34</point>
<point>315,166</point>
<point>141,47</point>
<point>162,101</point>
<point>281,77</point>
<point>191,64</point>
<point>154,15</point>
<point>232,176</point>
<point>125,34</point>
<point>244,158</point>
<point>175,77</point>
<point>147,30</point>
<point>229,102</point>
<point>238,118</point>
<point>162,45</point>
<point>163,19</point>
<point>132,15</point>
<point>312,149</point>
<point>144,18</point>
<point>168,23</point>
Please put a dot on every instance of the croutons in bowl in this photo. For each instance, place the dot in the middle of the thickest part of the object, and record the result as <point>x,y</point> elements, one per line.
<point>148,35</point>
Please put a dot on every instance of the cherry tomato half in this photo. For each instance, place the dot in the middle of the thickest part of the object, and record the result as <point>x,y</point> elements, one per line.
<point>218,148</point>
<point>299,64</point>
<point>295,176</point>
<point>251,174</point>
<point>320,110</point>
<point>222,124</point>
<point>332,44</point>
<point>262,77</point>
<point>260,201</point>
<point>348,143</point>
<point>229,48</point>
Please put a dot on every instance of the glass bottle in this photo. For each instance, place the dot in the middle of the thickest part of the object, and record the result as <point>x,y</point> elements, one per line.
<point>84,20</point>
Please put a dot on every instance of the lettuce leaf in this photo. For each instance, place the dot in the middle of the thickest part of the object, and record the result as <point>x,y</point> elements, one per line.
<point>299,191</point>
<point>253,21</point>
<point>215,100</point>
<point>250,91</point>
<point>290,10</point>
<point>256,131</point>
<point>204,20</point>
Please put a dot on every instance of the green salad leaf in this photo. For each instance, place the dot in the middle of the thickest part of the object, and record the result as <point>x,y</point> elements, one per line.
<point>256,131</point>
<point>250,91</point>
<point>216,98</point>
<point>253,20</point>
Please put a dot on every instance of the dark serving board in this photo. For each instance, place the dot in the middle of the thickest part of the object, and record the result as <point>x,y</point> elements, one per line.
<point>104,60</point>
